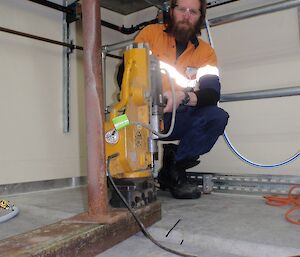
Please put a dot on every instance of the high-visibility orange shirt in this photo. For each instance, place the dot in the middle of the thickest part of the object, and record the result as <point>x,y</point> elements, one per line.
<point>163,47</point>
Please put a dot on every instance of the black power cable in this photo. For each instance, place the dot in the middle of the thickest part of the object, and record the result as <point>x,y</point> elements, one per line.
<point>140,224</point>
<point>129,30</point>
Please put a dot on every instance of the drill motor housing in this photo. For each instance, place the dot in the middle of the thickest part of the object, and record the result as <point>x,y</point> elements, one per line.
<point>141,99</point>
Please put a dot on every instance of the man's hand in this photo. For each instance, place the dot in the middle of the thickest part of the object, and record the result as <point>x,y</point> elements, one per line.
<point>179,96</point>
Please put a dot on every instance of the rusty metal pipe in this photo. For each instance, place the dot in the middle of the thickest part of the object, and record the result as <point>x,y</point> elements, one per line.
<point>96,173</point>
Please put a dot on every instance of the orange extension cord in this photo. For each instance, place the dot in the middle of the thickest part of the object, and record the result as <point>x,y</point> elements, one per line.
<point>282,201</point>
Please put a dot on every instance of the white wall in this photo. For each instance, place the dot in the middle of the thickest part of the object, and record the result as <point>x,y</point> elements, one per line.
<point>33,146</point>
<point>256,54</point>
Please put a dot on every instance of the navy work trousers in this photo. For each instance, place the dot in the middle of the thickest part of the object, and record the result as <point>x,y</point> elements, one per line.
<point>197,129</point>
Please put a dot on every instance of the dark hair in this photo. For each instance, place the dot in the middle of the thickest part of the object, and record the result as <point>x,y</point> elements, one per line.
<point>173,4</point>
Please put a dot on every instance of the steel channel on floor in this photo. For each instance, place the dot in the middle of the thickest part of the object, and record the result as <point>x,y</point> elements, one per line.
<point>244,184</point>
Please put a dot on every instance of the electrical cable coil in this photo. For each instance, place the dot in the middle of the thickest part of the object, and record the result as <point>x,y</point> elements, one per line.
<point>291,198</point>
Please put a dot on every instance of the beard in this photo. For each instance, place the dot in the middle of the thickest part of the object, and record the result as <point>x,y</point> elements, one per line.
<point>183,31</point>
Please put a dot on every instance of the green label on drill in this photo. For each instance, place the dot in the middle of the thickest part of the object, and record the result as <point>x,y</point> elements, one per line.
<point>120,121</point>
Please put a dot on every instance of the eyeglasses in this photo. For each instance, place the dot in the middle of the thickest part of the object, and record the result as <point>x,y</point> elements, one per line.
<point>183,10</point>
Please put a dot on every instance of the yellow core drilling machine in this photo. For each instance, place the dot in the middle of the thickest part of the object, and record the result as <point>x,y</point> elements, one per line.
<point>129,127</point>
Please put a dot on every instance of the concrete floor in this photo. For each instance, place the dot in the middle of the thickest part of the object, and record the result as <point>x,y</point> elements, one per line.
<point>216,225</point>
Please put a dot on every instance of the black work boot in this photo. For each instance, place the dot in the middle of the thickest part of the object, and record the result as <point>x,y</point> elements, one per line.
<point>172,175</point>
<point>183,189</point>
<point>168,164</point>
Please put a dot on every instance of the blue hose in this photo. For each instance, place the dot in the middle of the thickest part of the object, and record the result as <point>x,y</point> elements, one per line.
<point>241,157</point>
<point>255,164</point>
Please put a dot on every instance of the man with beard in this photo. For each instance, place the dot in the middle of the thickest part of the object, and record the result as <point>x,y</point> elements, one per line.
<point>199,122</point>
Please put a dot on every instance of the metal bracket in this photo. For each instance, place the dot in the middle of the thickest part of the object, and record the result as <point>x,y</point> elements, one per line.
<point>66,73</point>
<point>207,183</point>
<point>298,11</point>
<point>243,184</point>
<point>75,13</point>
